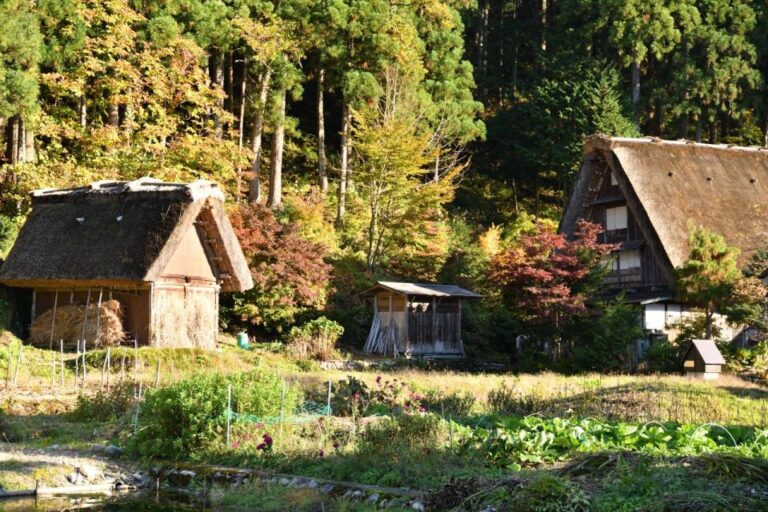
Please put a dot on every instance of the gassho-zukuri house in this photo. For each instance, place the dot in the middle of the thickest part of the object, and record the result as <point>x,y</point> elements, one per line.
<point>164,251</point>
<point>645,191</point>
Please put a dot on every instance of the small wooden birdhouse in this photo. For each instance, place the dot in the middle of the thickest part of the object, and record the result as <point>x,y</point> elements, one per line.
<point>703,360</point>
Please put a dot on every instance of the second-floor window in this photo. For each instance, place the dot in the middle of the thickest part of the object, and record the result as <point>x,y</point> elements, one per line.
<point>616,218</point>
<point>626,260</point>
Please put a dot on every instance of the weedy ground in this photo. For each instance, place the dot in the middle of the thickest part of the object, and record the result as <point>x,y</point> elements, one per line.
<point>452,451</point>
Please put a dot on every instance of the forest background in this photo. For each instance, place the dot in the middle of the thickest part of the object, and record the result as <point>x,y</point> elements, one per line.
<point>366,139</point>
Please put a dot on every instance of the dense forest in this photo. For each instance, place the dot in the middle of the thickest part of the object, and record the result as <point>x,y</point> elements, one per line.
<point>365,138</point>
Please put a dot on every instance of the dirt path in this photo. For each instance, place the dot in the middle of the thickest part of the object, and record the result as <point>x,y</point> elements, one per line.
<point>21,467</point>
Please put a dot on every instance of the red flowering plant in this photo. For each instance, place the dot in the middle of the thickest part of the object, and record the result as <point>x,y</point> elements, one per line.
<point>386,396</point>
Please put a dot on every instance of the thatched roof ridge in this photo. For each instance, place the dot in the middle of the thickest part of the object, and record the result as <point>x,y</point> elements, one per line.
<point>121,232</point>
<point>721,187</point>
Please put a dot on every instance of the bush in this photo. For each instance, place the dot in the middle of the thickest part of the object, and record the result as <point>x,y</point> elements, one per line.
<point>315,339</point>
<point>105,405</point>
<point>190,415</point>
<point>355,397</point>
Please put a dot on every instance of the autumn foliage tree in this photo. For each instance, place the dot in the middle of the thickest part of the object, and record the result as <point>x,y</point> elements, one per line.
<point>547,279</point>
<point>710,280</point>
<point>289,272</point>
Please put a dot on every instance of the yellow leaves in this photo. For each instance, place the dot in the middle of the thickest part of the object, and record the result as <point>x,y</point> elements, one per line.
<point>490,241</point>
<point>440,13</point>
<point>269,40</point>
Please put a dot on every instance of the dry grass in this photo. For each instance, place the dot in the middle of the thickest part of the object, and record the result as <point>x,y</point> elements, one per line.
<point>68,325</point>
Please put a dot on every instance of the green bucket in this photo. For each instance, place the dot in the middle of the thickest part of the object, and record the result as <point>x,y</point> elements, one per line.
<point>242,340</point>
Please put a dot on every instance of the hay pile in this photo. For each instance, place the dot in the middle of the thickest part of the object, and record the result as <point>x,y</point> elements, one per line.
<point>69,326</point>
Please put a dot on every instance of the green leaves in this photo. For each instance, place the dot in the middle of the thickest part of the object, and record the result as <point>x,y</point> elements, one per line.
<point>515,442</point>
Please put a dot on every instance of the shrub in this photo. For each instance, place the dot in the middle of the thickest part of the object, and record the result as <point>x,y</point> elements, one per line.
<point>315,339</point>
<point>190,415</point>
<point>354,397</point>
<point>105,405</point>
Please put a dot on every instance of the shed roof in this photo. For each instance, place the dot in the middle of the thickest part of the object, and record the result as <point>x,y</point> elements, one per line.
<point>424,289</point>
<point>721,187</point>
<point>122,231</point>
<point>708,351</point>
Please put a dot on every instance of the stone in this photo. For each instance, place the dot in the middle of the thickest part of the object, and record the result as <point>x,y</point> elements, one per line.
<point>113,451</point>
<point>73,478</point>
<point>312,484</point>
<point>356,495</point>
<point>373,498</point>
<point>327,488</point>
<point>54,447</point>
<point>97,447</point>
<point>284,481</point>
<point>418,506</point>
<point>89,472</point>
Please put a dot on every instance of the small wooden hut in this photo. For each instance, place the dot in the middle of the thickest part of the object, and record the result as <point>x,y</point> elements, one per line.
<point>703,360</point>
<point>416,319</point>
<point>163,251</point>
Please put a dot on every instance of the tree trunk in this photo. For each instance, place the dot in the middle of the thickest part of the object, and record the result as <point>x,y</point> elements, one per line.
<point>699,123</point>
<point>275,198</point>
<point>229,82</point>
<point>636,90</point>
<point>708,325</point>
<point>29,145</point>
<point>254,190</point>
<point>343,168</point>
<point>21,145</point>
<point>683,132</point>
<point>13,140</point>
<point>240,128</point>
<point>113,114</point>
<point>218,80</point>
<point>764,128</point>
<point>83,111</point>
<point>436,176</point>
<point>321,160</point>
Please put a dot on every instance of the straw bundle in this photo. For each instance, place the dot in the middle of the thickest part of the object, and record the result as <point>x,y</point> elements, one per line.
<point>69,325</point>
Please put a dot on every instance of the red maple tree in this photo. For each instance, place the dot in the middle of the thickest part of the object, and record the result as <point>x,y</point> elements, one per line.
<point>547,278</point>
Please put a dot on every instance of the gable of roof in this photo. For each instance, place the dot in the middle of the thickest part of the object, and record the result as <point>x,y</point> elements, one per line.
<point>120,231</point>
<point>423,289</point>
<point>708,351</point>
<point>723,188</point>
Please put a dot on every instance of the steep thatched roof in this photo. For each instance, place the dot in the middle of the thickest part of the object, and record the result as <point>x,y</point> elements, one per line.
<point>422,289</point>
<point>721,187</point>
<point>122,232</point>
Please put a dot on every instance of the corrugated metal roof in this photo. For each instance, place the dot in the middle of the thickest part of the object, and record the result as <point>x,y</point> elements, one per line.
<point>424,289</point>
<point>709,351</point>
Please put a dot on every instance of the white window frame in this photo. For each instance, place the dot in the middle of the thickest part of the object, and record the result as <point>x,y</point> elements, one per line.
<point>616,218</point>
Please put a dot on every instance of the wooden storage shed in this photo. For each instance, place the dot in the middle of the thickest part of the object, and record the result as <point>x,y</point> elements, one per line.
<point>703,360</point>
<point>164,251</point>
<point>417,319</point>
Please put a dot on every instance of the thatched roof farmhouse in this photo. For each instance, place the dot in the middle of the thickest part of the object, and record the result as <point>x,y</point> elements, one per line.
<point>162,250</point>
<point>645,191</point>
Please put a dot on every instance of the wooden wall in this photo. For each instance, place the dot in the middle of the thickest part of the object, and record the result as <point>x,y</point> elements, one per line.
<point>650,274</point>
<point>421,326</point>
<point>184,315</point>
